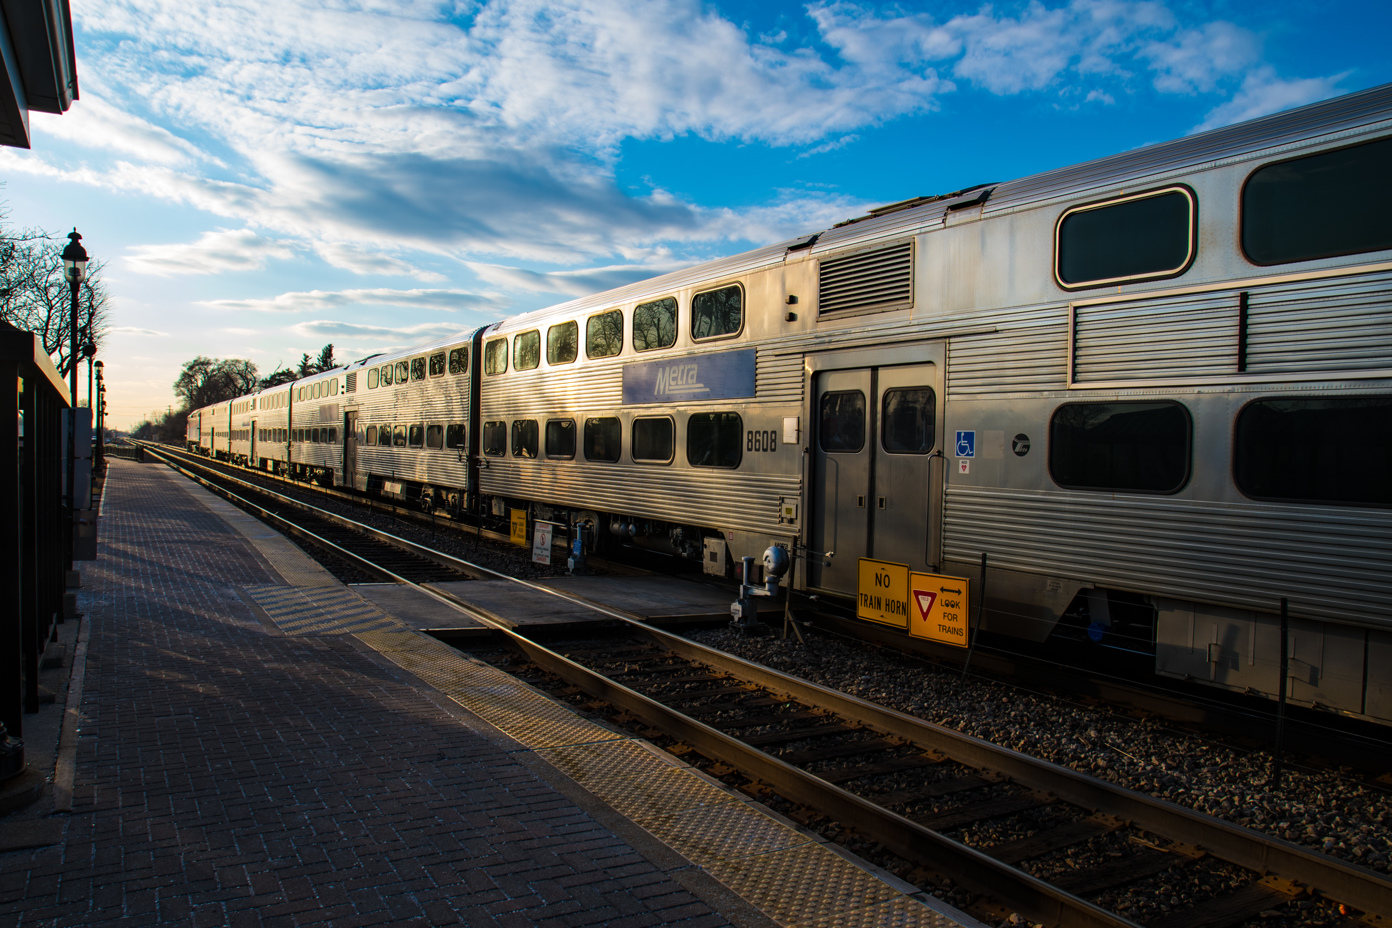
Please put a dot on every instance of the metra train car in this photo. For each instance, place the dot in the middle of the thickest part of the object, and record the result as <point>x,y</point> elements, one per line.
<point>1155,389</point>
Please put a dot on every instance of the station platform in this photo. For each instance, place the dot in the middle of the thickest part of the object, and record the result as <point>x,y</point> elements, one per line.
<point>258,744</point>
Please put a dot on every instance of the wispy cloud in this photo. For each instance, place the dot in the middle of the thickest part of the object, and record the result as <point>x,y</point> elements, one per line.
<point>133,330</point>
<point>406,335</point>
<point>319,300</point>
<point>1263,92</point>
<point>214,253</point>
<point>570,283</point>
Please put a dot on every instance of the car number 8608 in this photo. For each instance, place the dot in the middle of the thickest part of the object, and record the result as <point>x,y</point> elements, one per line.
<point>761,441</point>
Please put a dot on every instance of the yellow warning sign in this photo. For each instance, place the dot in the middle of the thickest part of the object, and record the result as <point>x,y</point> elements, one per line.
<point>882,594</point>
<point>939,608</point>
<point>519,527</point>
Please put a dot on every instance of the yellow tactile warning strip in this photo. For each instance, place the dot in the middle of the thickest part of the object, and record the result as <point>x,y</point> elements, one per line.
<point>319,610</point>
<point>786,873</point>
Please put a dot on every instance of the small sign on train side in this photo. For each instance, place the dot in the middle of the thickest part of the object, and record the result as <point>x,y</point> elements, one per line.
<point>518,535</point>
<point>939,608</point>
<point>882,593</point>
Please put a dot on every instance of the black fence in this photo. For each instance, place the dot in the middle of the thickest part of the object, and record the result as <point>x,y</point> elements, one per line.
<point>129,452</point>
<point>35,529</point>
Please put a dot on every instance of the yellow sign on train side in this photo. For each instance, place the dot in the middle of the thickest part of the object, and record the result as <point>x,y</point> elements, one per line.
<point>939,608</point>
<point>882,593</point>
<point>519,527</point>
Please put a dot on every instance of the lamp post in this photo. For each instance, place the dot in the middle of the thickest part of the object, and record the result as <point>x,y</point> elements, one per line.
<point>74,266</point>
<point>100,450</point>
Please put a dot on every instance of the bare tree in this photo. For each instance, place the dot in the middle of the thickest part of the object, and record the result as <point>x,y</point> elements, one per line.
<point>204,381</point>
<point>35,296</point>
<point>280,375</point>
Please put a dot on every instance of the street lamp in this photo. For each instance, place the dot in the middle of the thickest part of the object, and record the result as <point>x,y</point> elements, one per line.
<point>74,267</point>
<point>100,450</point>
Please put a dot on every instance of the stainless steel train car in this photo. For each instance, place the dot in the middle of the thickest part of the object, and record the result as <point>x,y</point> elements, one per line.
<point>1155,389</point>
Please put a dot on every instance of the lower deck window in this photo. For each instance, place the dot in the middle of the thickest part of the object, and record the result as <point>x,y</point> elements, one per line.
<point>524,438</point>
<point>399,436</point>
<point>384,436</point>
<point>495,439</point>
<point>1327,450</point>
<point>603,438</point>
<point>415,435</point>
<point>371,437</point>
<point>653,440</point>
<point>714,439</point>
<point>434,436</point>
<point>454,435</point>
<point>560,438</point>
<point>1132,447</point>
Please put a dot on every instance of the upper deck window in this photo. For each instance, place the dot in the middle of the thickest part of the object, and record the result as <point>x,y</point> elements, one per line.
<point>526,350</point>
<point>604,334</point>
<point>495,356</point>
<point>403,372</point>
<point>655,324</point>
<point>458,360</point>
<point>1320,206</point>
<point>1139,237</point>
<point>386,375</point>
<point>418,368</point>
<point>437,365</point>
<point>717,313</point>
<point>562,342</point>
<point>372,379</point>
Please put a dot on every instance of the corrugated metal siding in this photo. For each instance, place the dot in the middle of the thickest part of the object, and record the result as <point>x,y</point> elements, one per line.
<point>1026,354</point>
<point>778,377</point>
<point>1176,337</point>
<point>882,277</point>
<point>1330,562</point>
<point>1344,324</point>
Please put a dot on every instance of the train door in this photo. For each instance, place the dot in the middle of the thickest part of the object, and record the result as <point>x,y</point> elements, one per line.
<point>876,471</point>
<point>350,449</point>
<point>251,459</point>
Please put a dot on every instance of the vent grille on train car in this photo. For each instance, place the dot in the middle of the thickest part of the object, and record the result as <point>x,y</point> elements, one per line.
<point>877,279</point>
<point>352,383</point>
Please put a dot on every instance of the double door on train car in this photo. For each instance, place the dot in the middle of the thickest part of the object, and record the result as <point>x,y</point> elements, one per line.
<point>350,448</point>
<point>877,470</point>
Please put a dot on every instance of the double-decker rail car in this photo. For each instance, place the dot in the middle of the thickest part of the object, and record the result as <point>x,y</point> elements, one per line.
<point>1154,389</point>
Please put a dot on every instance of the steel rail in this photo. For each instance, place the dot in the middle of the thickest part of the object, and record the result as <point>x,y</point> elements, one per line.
<point>1245,847</point>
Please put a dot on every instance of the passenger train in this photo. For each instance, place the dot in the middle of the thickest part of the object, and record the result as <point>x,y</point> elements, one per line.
<point>1155,389</point>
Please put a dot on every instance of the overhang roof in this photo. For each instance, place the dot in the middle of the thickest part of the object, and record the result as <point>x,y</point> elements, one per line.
<point>39,64</point>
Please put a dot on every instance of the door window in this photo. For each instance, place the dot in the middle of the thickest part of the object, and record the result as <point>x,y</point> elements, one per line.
<point>906,420</point>
<point>842,418</point>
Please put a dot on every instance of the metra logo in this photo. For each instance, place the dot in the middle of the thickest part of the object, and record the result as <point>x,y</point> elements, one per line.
<point>678,378</point>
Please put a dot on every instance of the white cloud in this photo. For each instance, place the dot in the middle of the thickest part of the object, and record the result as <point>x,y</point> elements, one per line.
<point>95,123</point>
<point>571,283</point>
<point>214,253</point>
<point>404,335</point>
<point>1263,93</point>
<point>133,330</point>
<point>319,300</point>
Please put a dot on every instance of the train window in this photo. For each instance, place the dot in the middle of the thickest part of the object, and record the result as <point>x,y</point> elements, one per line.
<point>604,334</point>
<point>560,438</point>
<point>842,418</point>
<point>653,440</point>
<point>403,372</point>
<point>603,438</point>
<point>384,436</point>
<point>372,379</point>
<point>458,360</point>
<point>399,436</point>
<point>386,375</point>
<point>415,435</point>
<point>907,420</point>
<point>562,342</point>
<point>434,436</point>
<point>454,435</point>
<point>1317,450</point>
<point>526,350</point>
<point>717,312</point>
<point>314,436</point>
<point>655,324</point>
<point>1139,237</point>
<point>437,365</point>
<point>524,438</point>
<point>1319,206</point>
<point>333,387</point>
<point>714,439</point>
<point>1136,447</point>
<point>417,369</point>
<point>371,437</point>
<point>333,436</point>
<point>495,438</point>
<point>495,356</point>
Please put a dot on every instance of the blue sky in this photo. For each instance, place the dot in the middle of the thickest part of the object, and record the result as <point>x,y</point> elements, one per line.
<point>265,177</point>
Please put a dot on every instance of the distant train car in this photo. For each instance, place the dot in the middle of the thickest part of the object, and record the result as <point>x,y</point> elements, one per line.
<point>1154,389</point>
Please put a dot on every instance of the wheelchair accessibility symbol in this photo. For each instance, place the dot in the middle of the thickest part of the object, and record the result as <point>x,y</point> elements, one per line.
<point>966,444</point>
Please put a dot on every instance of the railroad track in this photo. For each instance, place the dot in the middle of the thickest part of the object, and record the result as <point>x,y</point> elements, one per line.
<point>912,787</point>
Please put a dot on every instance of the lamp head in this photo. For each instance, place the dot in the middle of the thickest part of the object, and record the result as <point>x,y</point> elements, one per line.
<point>89,351</point>
<point>74,258</point>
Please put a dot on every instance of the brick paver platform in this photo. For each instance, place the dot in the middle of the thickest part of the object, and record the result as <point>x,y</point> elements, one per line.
<point>230,775</point>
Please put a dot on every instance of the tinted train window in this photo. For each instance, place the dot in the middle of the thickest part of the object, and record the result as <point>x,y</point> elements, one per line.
<point>560,438</point>
<point>333,387</point>
<point>403,371</point>
<point>387,375</point>
<point>907,420</point>
<point>655,324</point>
<point>418,368</point>
<point>653,440</point>
<point>717,312</point>
<point>526,350</point>
<point>1141,237</point>
<point>399,436</point>
<point>415,435</point>
<point>524,438</point>
<point>434,436</point>
<point>333,436</point>
<point>1319,206</point>
<point>842,422</point>
<point>562,342</point>
<point>604,334</point>
<point>384,435</point>
<point>372,379</point>
<point>1327,450</point>
<point>371,437</point>
<point>437,365</point>
<point>454,435</point>
<point>458,360</point>
<point>714,439</point>
<point>1136,447</point>
<point>495,356</point>
<point>603,437</point>
<point>495,438</point>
